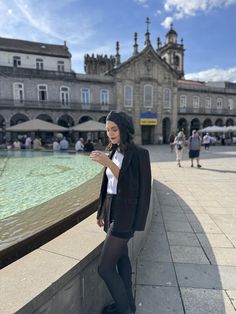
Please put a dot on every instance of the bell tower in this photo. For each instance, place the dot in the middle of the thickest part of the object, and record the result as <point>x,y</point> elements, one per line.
<point>172,51</point>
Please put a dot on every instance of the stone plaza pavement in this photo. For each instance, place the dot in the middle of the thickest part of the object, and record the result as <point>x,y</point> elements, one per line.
<point>188,263</point>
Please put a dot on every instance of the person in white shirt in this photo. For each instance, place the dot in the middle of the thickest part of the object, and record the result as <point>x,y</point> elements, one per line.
<point>79,146</point>
<point>207,141</point>
<point>17,144</point>
<point>55,145</point>
<point>28,142</point>
<point>64,144</point>
<point>179,147</point>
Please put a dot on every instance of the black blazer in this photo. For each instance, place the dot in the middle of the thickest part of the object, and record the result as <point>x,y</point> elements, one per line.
<point>131,204</point>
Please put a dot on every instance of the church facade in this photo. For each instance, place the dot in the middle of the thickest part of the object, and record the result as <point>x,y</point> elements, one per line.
<point>36,81</point>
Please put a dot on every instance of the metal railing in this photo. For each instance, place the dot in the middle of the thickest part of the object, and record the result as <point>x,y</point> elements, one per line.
<point>207,111</point>
<point>44,104</point>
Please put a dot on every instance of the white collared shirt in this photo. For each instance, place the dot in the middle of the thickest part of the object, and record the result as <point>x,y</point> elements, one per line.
<point>112,180</point>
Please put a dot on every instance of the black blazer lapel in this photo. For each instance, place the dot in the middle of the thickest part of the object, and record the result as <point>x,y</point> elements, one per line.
<point>126,161</point>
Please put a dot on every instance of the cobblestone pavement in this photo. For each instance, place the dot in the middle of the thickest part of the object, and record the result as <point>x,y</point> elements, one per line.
<point>188,264</point>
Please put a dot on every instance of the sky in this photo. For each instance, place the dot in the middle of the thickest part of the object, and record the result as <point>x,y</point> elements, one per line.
<point>93,26</point>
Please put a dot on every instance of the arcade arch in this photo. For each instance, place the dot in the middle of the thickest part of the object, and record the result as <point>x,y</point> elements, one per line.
<point>84,119</point>
<point>195,125</point>
<point>229,122</point>
<point>219,122</point>
<point>66,121</point>
<point>207,122</point>
<point>182,125</point>
<point>18,118</point>
<point>44,117</point>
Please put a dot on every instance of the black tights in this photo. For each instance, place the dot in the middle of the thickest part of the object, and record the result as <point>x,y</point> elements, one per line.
<point>115,254</point>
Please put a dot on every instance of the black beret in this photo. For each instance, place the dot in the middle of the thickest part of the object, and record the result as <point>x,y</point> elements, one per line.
<point>123,121</point>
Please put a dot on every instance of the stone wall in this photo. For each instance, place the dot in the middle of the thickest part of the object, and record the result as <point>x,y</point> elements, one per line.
<point>61,276</point>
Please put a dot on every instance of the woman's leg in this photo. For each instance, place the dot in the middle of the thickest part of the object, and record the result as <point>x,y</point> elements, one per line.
<point>178,157</point>
<point>125,271</point>
<point>112,250</point>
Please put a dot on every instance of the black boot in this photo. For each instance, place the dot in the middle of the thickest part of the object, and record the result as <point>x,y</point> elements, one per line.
<point>131,300</point>
<point>111,308</point>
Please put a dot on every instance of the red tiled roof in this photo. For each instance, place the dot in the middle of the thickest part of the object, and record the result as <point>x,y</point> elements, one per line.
<point>192,82</point>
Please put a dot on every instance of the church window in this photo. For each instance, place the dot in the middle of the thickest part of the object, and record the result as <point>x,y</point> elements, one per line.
<point>167,98</point>
<point>85,96</point>
<point>196,102</point>
<point>128,96</point>
<point>42,93</point>
<point>177,60</point>
<point>183,101</point>
<point>65,95</point>
<point>148,95</point>
<point>104,97</point>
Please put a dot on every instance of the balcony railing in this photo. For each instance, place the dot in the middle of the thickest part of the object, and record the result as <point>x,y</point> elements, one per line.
<point>207,111</point>
<point>51,105</point>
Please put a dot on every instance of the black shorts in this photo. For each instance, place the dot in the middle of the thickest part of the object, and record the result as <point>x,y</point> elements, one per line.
<point>194,154</point>
<point>109,219</point>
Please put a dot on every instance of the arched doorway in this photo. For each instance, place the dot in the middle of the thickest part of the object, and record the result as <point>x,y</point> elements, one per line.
<point>101,136</point>
<point>165,130</point>
<point>102,119</point>
<point>183,126</point>
<point>18,118</point>
<point>84,119</point>
<point>229,122</point>
<point>65,121</point>
<point>207,122</point>
<point>219,122</point>
<point>147,134</point>
<point>45,117</point>
<point>195,125</point>
<point>85,135</point>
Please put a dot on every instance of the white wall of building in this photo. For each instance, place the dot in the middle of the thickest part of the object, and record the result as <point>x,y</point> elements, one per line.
<point>29,61</point>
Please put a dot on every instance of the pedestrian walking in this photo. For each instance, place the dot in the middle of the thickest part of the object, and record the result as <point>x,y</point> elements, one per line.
<point>206,141</point>
<point>171,142</point>
<point>179,147</point>
<point>195,147</point>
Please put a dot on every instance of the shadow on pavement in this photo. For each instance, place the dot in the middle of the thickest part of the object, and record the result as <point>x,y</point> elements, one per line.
<point>187,264</point>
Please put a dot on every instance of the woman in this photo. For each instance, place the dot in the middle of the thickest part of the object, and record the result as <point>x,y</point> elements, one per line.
<point>123,209</point>
<point>179,147</point>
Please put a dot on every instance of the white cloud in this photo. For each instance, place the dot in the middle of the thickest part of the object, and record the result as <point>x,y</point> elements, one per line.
<point>143,3</point>
<point>215,74</point>
<point>166,23</point>
<point>184,8</point>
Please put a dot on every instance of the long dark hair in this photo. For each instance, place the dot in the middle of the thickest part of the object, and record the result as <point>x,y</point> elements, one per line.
<point>126,128</point>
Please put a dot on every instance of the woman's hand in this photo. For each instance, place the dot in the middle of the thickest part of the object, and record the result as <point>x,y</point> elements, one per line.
<point>100,157</point>
<point>100,222</point>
